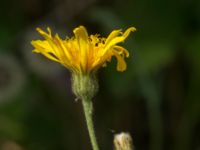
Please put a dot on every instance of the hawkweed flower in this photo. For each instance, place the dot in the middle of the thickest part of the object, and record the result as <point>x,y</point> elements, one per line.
<point>83,55</point>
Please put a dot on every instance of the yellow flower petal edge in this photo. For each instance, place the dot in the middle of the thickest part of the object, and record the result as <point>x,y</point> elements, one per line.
<point>83,53</point>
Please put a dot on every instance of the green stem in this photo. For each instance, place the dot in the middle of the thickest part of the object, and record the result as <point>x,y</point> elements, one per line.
<point>87,107</point>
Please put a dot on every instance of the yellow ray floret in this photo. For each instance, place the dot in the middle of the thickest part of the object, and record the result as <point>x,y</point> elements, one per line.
<point>83,53</point>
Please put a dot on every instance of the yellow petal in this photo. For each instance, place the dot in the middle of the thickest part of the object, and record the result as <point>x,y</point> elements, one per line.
<point>43,33</point>
<point>112,35</point>
<point>121,64</point>
<point>44,48</point>
<point>64,53</point>
<point>83,53</point>
<point>42,45</point>
<point>114,39</point>
<point>83,43</point>
<point>121,50</point>
<point>54,48</point>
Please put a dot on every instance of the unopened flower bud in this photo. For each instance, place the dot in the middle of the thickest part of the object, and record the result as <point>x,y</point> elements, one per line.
<point>123,141</point>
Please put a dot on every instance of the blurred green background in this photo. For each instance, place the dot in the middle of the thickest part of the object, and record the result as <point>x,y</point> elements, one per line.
<point>157,99</point>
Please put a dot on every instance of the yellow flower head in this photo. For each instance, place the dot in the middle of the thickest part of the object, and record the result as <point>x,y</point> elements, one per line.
<point>83,53</point>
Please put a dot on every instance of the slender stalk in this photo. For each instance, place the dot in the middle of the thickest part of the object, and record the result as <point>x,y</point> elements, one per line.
<point>87,107</point>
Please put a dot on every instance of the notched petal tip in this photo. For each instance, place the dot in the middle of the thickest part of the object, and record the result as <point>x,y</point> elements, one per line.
<point>121,68</point>
<point>133,29</point>
<point>127,32</point>
<point>35,51</point>
<point>81,33</point>
<point>39,30</point>
<point>43,33</point>
<point>80,29</point>
<point>33,43</point>
<point>49,30</point>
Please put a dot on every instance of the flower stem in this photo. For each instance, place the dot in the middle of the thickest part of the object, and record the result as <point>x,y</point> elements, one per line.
<point>88,108</point>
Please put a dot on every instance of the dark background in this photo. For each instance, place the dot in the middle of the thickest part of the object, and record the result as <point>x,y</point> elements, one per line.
<point>157,99</point>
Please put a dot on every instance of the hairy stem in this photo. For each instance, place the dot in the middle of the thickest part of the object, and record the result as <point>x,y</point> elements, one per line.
<point>87,107</point>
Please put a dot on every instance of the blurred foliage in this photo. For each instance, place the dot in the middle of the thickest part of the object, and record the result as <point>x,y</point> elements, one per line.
<point>156,99</point>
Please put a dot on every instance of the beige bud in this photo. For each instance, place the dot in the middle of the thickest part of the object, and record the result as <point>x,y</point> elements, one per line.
<point>123,141</point>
